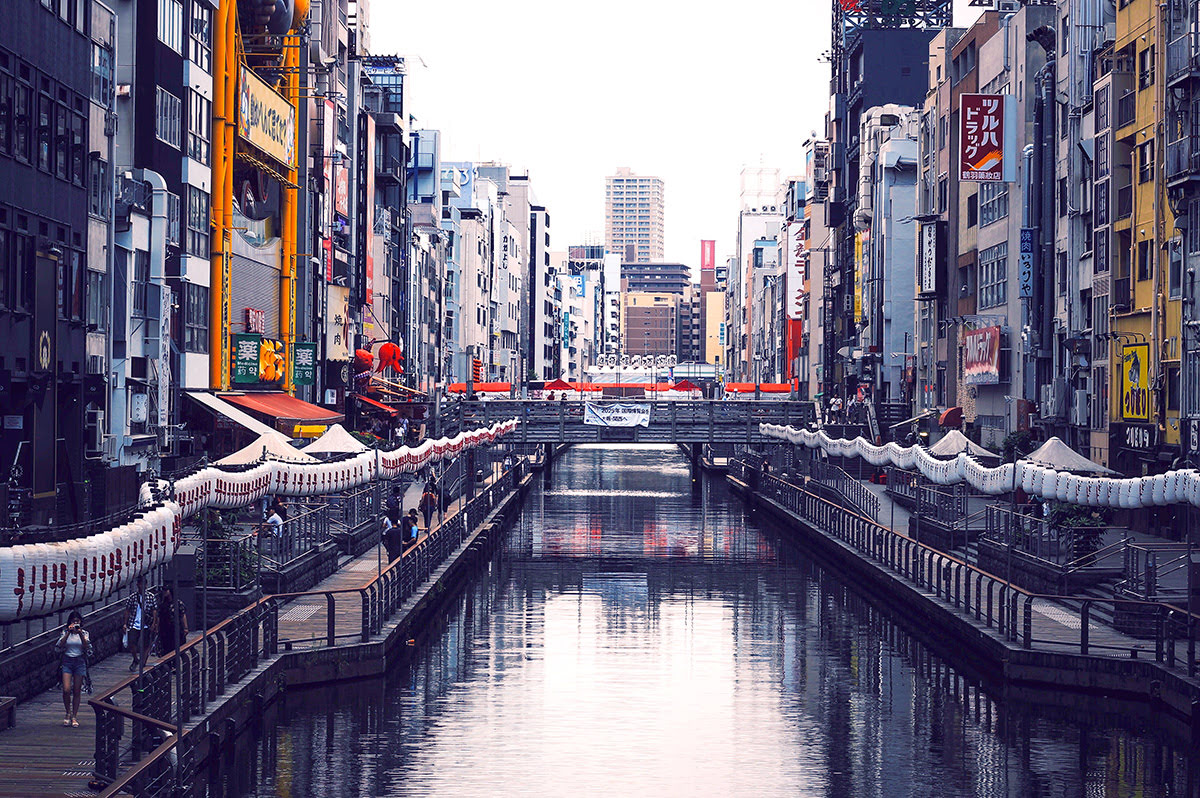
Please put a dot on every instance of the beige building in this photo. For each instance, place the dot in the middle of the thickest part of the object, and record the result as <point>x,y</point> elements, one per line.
<point>714,326</point>
<point>633,216</point>
<point>651,323</point>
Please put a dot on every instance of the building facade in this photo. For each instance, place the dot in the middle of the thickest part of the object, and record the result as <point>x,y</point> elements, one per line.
<point>634,211</point>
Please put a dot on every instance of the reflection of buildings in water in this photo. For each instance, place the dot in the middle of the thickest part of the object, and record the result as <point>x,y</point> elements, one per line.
<point>623,592</point>
<point>668,539</point>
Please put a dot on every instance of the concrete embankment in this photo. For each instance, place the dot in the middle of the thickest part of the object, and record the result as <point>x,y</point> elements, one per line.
<point>1066,677</point>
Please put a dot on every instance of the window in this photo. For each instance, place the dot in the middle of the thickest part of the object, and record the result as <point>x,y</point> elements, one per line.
<point>21,270</point>
<point>97,301</point>
<point>174,219</point>
<point>99,187</point>
<point>199,127</point>
<point>62,142</point>
<point>1173,388</point>
<point>70,286</point>
<point>102,74</point>
<point>195,318</point>
<point>943,193</point>
<point>1146,68</point>
<point>170,24</point>
<point>166,124</point>
<point>1146,161</point>
<point>972,210</point>
<point>78,149</point>
<point>44,122</point>
<point>5,267</point>
<point>197,223</point>
<point>200,36</point>
<point>993,275</point>
<point>22,121</point>
<point>141,282</point>
<point>1144,267</point>
<point>1175,272</point>
<point>6,120</point>
<point>993,203</point>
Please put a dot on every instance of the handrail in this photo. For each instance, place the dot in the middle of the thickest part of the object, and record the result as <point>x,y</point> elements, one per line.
<point>127,778</point>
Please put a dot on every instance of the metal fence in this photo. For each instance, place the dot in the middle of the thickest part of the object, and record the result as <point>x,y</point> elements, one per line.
<point>300,533</point>
<point>157,702</point>
<point>1074,547</point>
<point>230,562</point>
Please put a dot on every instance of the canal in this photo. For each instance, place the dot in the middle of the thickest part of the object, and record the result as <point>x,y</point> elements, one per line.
<point>637,637</point>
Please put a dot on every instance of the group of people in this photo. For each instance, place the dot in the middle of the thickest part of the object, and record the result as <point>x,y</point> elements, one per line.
<point>154,620</point>
<point>401,531</point>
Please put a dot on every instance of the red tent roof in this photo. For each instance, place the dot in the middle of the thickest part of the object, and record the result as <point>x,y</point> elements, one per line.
<point>558,385</point>
<point>685,385</point>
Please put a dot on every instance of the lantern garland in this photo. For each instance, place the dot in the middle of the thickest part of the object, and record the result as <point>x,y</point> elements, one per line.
<point>40,578</point>
<point>1174,487</point>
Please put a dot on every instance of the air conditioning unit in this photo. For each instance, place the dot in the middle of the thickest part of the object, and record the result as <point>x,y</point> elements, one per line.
<point>93,432</point>
<point>1080,416</point>
<point>1005,6</point>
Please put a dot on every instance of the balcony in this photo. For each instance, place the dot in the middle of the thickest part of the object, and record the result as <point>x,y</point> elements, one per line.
<point>1183,161</point>
<point>1183,59</point>
<point>1121,294</point>
<point>389,170</point>
<point>1124,202</point>
<point>1126,109</point>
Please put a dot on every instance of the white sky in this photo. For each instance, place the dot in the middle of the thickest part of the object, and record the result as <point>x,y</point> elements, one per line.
<point>569,92</point>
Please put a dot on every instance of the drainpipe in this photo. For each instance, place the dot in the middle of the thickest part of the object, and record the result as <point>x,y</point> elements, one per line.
<point>158,263</point>
<point>110,243</point>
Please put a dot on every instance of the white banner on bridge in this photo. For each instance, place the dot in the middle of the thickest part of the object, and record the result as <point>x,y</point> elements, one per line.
<point>618,415</point>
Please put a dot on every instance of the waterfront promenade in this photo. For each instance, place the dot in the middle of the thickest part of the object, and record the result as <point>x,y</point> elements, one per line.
<point>41,757</point>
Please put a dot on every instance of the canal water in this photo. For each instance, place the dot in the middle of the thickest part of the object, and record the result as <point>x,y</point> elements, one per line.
<point>639,636</point>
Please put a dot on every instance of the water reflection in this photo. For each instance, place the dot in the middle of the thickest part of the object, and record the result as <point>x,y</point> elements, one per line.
<point>634,638</point>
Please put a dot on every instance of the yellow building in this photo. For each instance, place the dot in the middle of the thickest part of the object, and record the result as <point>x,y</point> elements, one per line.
<point>1144,327</point>
<point>714,326</point>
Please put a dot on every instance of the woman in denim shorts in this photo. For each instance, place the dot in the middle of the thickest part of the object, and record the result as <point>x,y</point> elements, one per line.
<point>75,646</point>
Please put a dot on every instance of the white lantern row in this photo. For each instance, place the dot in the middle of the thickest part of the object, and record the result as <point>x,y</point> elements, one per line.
<point>1174,487</point>
<point>41,578</point>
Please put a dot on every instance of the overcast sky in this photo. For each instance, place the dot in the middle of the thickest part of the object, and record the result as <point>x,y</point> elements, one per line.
<point>568,92</point>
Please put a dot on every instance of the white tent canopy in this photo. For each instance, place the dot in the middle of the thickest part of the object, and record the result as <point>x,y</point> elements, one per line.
<point>335,441</point>
<point>274,445</point>
<point>1057,455</point>
<point>954,443</point>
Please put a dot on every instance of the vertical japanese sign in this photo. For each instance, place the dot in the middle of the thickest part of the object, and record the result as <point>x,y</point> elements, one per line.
<point>246,352</point>
<point>304,363</point>
<point>986,143</point>
<point>1135,382</point>
<point>367,210</point>
<point>1025,273</point>
<point>860,253</point>
<point>708,255</point>
<point>164,363</point>
<point>794,283</point>
<point>329,120</point>
<point>337,331</point>
<point>929,258</point>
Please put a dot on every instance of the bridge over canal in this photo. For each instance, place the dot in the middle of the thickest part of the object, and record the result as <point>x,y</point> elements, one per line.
<point>688,421</point>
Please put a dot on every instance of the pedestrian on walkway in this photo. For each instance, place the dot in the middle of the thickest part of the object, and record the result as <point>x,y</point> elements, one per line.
<point>140,615</point>
<point>414,530</point>
<point>393,541</point>
<point>75,647</point>
<point>428,503</point>
<point>168,605</point>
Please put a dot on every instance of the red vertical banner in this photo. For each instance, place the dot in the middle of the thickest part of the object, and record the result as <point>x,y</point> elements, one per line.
<point>708,255</point>
<point>328,121</point>
<point>369,255</point>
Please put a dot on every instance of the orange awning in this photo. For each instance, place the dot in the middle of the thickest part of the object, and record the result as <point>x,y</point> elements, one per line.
<point>285,410</point>
<point>391,411</point>
<point>766,387</point>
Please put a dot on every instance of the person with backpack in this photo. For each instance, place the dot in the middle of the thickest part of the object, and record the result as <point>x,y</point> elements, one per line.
<point>429,503</point>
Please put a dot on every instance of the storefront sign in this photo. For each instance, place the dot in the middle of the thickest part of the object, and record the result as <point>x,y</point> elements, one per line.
<point>616,415</point>
<point>986,138</point>
<point>929,258</point>
<point>165,303</point>
<point>246,349</point>
<point>337,329</point>
<point>981,356</point>
<point>256,321</point>
<point>1135,382</point>
<point>1140,437</point>
<point>265,119</point>
<point>304,363</point>
<point>1025,272</point>
<point>341,191</point>
<point>794,285</point>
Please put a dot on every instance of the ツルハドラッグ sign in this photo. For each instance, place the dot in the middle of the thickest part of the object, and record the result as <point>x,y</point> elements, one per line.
<point>616,415</point>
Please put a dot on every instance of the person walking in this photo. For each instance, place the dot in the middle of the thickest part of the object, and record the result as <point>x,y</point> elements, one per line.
<point>75,647</point>
<point>140,615</point>
<point>414,529</point>
<point>428,503</point>
<point>168,632</point>
<point>393,539</point>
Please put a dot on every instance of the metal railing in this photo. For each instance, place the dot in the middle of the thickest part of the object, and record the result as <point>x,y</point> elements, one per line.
<point>1148,568</point>
<point>168,694</point>
<point>1126,109</point>
<point>231,563</point>
<point>966,588</point>
<point>1183,56</point>
<point>1073,547</point>
<point>849,488</point>
<point>1183,157</point>
<point>302,532</point>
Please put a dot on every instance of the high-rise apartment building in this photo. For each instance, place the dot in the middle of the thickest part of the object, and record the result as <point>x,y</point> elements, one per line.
<point>633,215</point>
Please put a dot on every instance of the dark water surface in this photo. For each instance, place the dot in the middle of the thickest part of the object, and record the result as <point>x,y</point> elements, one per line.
<point>637,639</point>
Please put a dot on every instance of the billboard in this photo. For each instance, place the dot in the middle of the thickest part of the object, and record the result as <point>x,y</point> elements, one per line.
<point>987,138</point>
<point>708,255</point>
<point>1135,382</point>
<point>794,284</point>
<point>929,258</point>
<point>265,118</point>
<point>981,356</point>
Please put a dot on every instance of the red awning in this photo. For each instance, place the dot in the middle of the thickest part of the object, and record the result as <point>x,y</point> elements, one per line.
<point>372,404</point>
<point>558,385</point>
<point>685,385</point>
<point>285,409</point>
<point>766,387</point>
<point>951,418</point>
<point>739,387</point>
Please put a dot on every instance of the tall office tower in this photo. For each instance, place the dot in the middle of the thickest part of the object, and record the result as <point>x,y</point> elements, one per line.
<point>633,215</point>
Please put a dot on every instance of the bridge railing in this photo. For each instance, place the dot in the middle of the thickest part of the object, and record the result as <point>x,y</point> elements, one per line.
<point>984,596</point>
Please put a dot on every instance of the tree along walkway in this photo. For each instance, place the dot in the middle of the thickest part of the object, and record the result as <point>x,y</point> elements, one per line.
<point>41,757</point>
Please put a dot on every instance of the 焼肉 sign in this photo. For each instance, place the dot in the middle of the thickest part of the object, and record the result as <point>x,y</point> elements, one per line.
<point>265,119</point>
<point>616,415</point>
<point>981,356</point>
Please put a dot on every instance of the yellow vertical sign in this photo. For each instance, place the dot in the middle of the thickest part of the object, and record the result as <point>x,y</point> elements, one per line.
<point>1135,382</point>
<point>859,248</point>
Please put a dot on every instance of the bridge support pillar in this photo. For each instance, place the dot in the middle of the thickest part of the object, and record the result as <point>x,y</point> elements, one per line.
<point>696,450</point>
